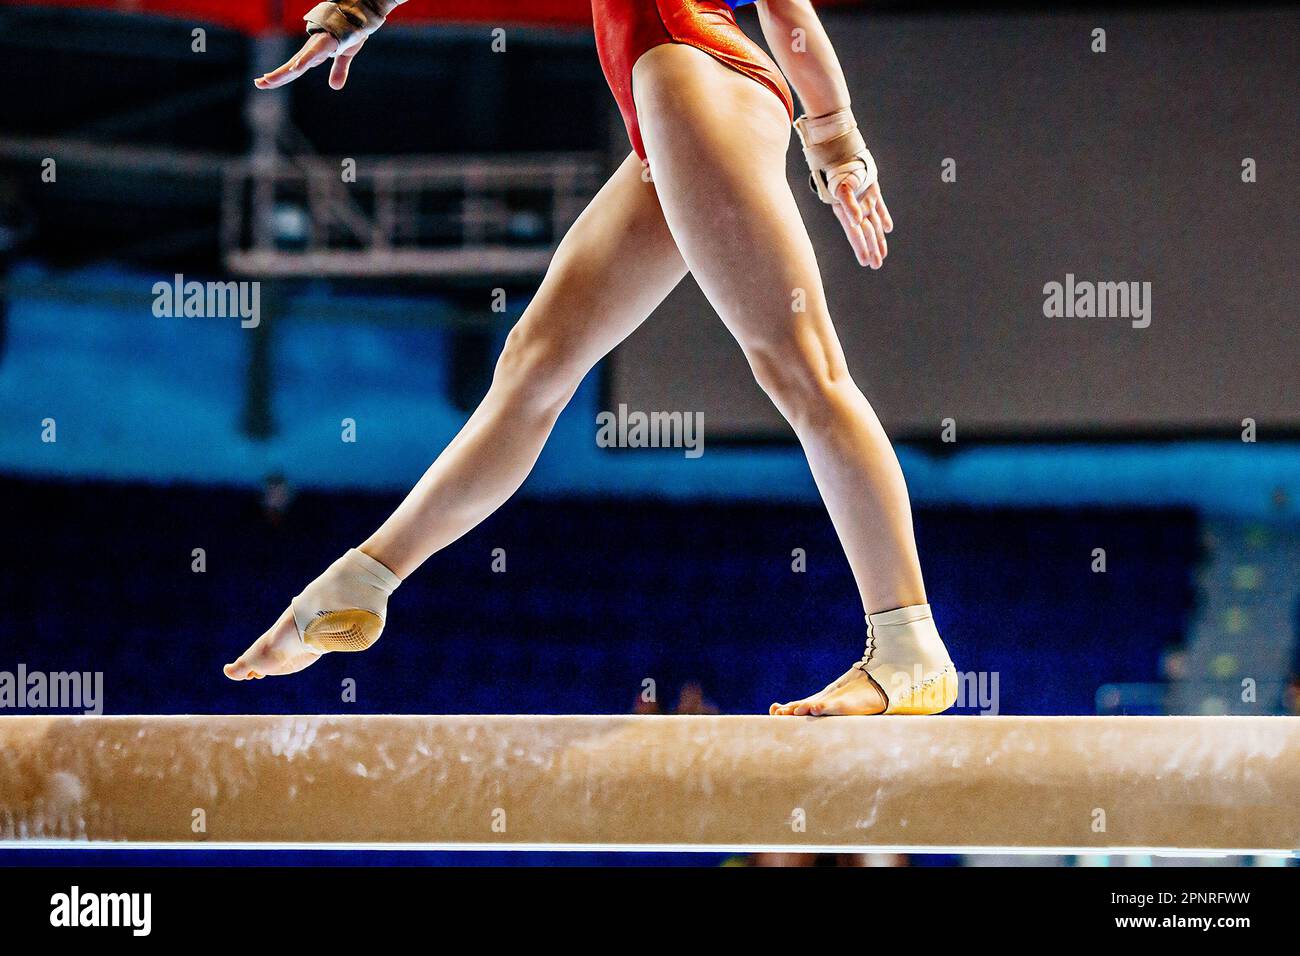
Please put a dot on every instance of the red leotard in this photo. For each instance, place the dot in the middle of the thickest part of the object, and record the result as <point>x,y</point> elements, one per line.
<point>627,28</point>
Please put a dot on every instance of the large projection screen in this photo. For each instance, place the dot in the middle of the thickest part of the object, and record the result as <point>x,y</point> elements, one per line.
<point>1123,166</point>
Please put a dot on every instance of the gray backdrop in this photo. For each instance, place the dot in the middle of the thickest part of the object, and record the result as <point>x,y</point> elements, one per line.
<point>1119,166</point>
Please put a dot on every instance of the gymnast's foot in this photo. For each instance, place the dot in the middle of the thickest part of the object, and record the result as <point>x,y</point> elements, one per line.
<point>905,670</point>
<point>342,610</point>
<point>853,694</point>
<point>279,651</point>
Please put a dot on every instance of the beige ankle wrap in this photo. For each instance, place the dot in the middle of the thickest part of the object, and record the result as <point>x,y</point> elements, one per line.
<point>344,608</point>
<point>907,659</point>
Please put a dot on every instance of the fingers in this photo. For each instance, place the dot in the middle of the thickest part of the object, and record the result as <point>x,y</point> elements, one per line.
<point>852,232</point>
<point>866,209</point>
<point>342,64</point>
<point>339,72</point>
<point>865,220</point>
<point>877,226</point>
<point>314,52</point>
<point>872,241</point>
<point>849,212</point>
<point>886,219</point>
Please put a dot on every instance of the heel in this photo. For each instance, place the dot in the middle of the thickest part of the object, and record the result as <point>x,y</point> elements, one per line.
<point>344,608</point>
<point>351,630</point>
<point>933,695</point>
<point>907,660</point>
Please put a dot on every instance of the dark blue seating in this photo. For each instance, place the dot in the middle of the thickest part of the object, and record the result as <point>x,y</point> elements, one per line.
<point>598,596</point>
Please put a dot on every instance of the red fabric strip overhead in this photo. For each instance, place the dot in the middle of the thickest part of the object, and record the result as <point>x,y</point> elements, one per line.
<point>255,16</point>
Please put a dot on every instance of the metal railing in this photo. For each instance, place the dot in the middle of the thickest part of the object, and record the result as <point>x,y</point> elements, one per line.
<point>467,216</point>
<point>296,214</point>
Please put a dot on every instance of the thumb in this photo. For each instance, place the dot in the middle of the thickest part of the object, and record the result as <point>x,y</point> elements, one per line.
<point>342,65</point>
<point>339,71</point>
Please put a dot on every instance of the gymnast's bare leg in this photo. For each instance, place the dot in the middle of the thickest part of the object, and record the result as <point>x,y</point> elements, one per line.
<point>615,265</point>
<point>717,142</point>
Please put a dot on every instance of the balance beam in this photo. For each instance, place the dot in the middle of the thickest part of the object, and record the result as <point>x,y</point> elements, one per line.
<point>964,784</point>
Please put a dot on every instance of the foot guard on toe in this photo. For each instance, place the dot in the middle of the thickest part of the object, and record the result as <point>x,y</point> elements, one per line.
<point>344,608</point>
<point>907,659</point>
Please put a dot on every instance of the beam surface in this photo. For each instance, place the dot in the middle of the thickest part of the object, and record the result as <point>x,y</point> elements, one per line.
<point>1084,784</point>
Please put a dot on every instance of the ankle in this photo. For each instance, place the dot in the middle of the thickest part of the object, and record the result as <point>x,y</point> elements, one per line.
<point>900,614</point>
<point>375,553</point>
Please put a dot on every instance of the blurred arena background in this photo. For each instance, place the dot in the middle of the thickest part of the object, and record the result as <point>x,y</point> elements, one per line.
<point>1107,511</point>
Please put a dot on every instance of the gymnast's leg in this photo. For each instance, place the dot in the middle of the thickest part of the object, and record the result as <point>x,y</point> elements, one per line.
<point>615,265</point>
<point>717,144</point>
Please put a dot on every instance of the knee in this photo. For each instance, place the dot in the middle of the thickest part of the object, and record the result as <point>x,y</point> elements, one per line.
<point>805,377</point>
<point>537,368</point>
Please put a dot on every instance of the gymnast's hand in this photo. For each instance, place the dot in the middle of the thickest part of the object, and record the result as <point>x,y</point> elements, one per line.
<point>318,48</point>
<point>336,28</point>
<point>844,175</point>
<point>865,219</point>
